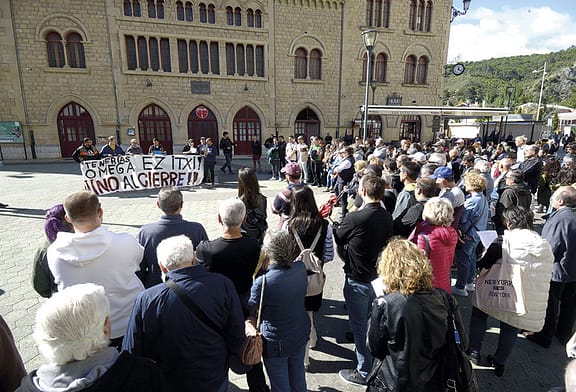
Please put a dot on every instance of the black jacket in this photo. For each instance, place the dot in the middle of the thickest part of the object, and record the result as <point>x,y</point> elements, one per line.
<point>128,374</point>
<point>407,337</point>
<point>513,195</point>
<point>365,232</point>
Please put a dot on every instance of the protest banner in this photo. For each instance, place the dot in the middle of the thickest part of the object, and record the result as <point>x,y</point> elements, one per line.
<point>136,172</point>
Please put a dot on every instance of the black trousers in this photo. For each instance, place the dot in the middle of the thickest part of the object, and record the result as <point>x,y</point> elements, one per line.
<point>560,313</point>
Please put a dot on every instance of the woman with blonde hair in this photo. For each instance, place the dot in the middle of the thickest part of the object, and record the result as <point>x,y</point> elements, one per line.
<point>474,219</point>
<point>407,329</point>
<point>437,238</point>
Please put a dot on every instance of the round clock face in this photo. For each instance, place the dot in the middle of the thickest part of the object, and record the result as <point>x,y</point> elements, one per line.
<point>458,69</point>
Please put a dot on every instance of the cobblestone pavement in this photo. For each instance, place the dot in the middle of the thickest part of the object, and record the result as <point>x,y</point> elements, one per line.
<point>31,188</point>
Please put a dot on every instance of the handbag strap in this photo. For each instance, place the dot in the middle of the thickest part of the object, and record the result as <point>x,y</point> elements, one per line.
<point>427,242</point>
<point>261,300</point>
<point>195,309</point>
<point>451,323</point>
<point>299,241</point>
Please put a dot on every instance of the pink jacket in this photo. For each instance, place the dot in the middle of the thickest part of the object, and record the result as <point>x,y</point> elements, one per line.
<point>442,245</point>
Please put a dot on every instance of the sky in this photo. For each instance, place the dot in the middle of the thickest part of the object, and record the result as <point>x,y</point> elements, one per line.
<point>502,28</point>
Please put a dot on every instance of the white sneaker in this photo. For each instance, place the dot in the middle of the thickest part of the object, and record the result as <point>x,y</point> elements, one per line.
<point>273,179</point>
<point>456,291</point>
<point>470,287</point>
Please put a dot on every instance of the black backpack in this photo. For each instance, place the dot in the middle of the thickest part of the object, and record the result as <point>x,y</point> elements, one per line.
<point>255,225</point>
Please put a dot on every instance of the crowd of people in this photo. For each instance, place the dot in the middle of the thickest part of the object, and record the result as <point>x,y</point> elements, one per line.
<point>170,309</point>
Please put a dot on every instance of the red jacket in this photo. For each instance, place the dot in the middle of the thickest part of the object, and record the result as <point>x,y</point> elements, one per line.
<point>440,251</point>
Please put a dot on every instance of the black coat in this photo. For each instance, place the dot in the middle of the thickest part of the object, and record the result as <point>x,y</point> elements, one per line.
<point>407,337</point>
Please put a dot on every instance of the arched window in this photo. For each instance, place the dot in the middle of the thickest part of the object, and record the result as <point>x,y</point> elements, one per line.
<point>229,16</point>
<point>131,53</point>
<point>250,17</point>
<point>364,70</point>
<point>428,18</point>
<point>55,50</point>
<point>160,9</point>
<point>154,54</point>
<point>237,16</point>
<point>240,68</point>
<point>127,8</point>
<point>203,13</point>
<point>300,63</point>
<point>250,60</point>
<point>422,70</point>
<point>260,60</point>
<point>132,8</point>
<point>188,11</point>
<point>193,49</point>
<point>369,12</point>
<point>420,18</point>
<point>230,59</point>
<point>179,11</point>
<point>153,122</point>
<point>142,53</point>
<point>386,13</point>
<point>315,64</point>
<point>410,70</point>
<point>214,58</point>
<point>211,14</point>
<point>413,15</point>
<point>258,19</point>
<point>75,51</point>
<point>151,9</point>
<point>204,62</point>
<point>380,68</point>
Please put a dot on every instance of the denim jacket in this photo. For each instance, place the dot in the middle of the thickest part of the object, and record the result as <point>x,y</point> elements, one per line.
<point>475,215</point>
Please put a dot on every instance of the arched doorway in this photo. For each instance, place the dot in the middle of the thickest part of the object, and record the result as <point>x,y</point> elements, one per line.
<point>74,124</point>
<point>307,124</point>
<point>202,122</point>
<point>246,125</point>
<point>153,122</point>
<point>410,128</point>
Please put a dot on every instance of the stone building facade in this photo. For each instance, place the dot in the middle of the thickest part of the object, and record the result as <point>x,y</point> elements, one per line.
<point>184,69</point>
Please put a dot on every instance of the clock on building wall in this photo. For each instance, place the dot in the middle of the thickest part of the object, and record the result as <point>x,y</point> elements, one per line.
<point>458,69</point>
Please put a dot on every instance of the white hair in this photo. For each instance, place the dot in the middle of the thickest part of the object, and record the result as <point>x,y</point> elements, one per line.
<point>232,212</point>
<point>70,325</point>
<point>175,251</point>
<point>438,211</point>
<point>438,158</point>
<point>482,166</point>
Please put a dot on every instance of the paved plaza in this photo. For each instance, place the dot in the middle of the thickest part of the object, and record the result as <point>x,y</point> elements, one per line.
<point>31,188</point>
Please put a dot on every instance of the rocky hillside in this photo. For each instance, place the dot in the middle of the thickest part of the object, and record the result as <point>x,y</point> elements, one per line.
<point>487,80</point>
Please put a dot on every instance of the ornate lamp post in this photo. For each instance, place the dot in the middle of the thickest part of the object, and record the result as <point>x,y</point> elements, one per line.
<point>456,13</point>
<point>509,92</point>
<point>369,37</point>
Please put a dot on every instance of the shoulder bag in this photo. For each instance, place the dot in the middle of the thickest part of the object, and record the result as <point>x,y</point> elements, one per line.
<point>252,348</point>
<point>500,287</point>
<point>456,370</point>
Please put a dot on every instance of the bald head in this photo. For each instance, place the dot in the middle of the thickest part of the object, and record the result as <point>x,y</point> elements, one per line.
<point>565,196</point>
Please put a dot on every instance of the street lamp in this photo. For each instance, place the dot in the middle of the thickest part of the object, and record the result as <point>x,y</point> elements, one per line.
<point>543,70</point>
<point>369,37</point>
<point>509,92</point>
<point>373,86</point>
<point>456,13</point>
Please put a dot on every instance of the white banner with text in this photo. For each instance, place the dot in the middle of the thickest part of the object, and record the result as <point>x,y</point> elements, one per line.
<point>136,172</point>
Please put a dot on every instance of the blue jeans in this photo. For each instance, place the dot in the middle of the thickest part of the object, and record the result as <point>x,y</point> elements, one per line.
<point>465,259</point>
<point>287,374</point>
<point>228,164</point>
<point>506,338</point>
<point>359,297</point>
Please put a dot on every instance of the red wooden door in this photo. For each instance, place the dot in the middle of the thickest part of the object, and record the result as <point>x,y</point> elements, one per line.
<point>153,122</point>
<point>246,126</point>
<point>74,124</point>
